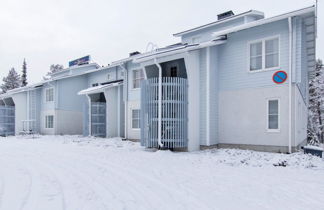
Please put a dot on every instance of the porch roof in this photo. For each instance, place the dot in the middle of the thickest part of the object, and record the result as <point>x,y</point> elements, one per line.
<point>99,88</point>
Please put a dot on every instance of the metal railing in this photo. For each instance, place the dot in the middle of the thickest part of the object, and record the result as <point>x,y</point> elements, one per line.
<point>174,112</point>
<point>7,120</point>
<point>98,119</point>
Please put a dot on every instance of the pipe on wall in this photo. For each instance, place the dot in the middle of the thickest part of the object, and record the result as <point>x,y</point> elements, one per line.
<point>290,86</point>
<point>159,104</point>
<point>126,101</point>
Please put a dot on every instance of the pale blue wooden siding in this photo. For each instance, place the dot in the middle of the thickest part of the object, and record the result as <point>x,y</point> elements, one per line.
<point>214,95</point>
<point>206,34</point>
<point>303,82</point>
<point>233,57</point>
<point>67,90</point>
<point>101,76</point>
<point>297,45</point>
<point>202,95</point>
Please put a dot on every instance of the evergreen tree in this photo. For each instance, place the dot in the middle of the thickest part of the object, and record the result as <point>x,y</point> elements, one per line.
<point>316,104</point>
<point>11,81</point>
<point>24,74</point>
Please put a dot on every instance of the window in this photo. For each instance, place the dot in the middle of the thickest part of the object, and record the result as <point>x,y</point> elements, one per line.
<point>95,84</point>
<point>49,94</point>
<point>264,54</point>
<point>273,114</point>
<point>138,76</point>
<point>272,53</point>
<point>136,119</point>
<point>49,121</point>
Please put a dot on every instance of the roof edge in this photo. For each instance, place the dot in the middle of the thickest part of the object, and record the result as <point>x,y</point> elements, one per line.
<point>250,12</point>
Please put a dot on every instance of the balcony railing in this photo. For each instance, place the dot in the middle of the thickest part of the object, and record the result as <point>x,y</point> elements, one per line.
<point>174,112</point>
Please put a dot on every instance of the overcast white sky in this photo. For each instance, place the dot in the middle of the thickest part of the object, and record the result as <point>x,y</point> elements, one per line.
<point>56,31</point>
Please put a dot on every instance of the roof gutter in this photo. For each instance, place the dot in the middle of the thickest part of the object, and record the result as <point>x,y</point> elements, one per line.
<point>218,41</point>
<point>264,21</point>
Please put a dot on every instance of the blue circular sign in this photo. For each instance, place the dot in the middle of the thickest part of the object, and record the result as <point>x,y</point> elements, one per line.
<point>279,77</point>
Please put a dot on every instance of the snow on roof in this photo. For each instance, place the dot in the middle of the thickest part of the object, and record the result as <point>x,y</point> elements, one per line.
<point>265,21</point>
<point>250,12</point>
<point>74,67</point>
<point>99,88</point>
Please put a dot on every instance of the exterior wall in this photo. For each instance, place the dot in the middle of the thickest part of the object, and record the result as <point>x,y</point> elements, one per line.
<point>192,66</point>
<point>101,76</point>
<point>243,116</point>
<point>111,95</point>
<point>67,91</point>
<point>300,117</point>
<point>20,100</point>
<point>206,34</point>
<point>234,56</point>
<point>68,122</point>
<point>213,96</point>
<point>203,96</point>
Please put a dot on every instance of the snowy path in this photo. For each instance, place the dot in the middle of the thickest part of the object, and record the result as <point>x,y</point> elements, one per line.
<point>84,173</point>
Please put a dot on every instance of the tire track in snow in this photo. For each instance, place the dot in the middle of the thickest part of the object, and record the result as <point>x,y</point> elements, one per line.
<point>76,181</point>
<point>138,180</point>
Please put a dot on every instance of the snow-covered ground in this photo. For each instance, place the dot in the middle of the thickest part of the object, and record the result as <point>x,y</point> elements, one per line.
<point>75,173</point>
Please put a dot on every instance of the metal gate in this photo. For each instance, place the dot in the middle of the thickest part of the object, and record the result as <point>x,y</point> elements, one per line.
<point>174,112</point>
<point>98,119</point>
<point>7,120</point>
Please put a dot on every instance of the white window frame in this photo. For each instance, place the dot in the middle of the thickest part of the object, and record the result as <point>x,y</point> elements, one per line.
<point>46,96</point>
<point>47,122</point>
<point>263,54</point>
<point>139,119</point>
<point>133,78</point>
<point>267,113</point>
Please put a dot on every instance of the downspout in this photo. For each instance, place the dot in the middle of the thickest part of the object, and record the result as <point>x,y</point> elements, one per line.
<point>126,101</point>
<point>159,104</point>
<point>290,86</point>
<point>89,113</point>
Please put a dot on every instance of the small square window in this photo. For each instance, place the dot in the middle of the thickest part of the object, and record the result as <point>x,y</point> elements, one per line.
<point>136,119</point>
<point>273,114</point>
<point>49,121</point>
<point>138,76</point>
<point>49,94</point>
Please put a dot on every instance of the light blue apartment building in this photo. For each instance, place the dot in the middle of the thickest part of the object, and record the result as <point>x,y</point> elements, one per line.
<point>241,81</point>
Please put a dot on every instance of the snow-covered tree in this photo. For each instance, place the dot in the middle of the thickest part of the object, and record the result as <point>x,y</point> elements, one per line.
<point>24,74</point>
<point>316,104</point>
<point>11,81</point>
<point>53,69</point>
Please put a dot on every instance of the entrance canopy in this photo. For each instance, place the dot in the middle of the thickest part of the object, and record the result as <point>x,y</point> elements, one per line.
<point>99,88</point>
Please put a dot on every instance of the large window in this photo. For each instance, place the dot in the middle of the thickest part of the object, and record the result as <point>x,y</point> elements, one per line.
<point>49,94</point>
<point>273,114</point>
<point>49,121</point>
<point>136,119</point>
<point>138,76</point>
<point>264,54</point>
